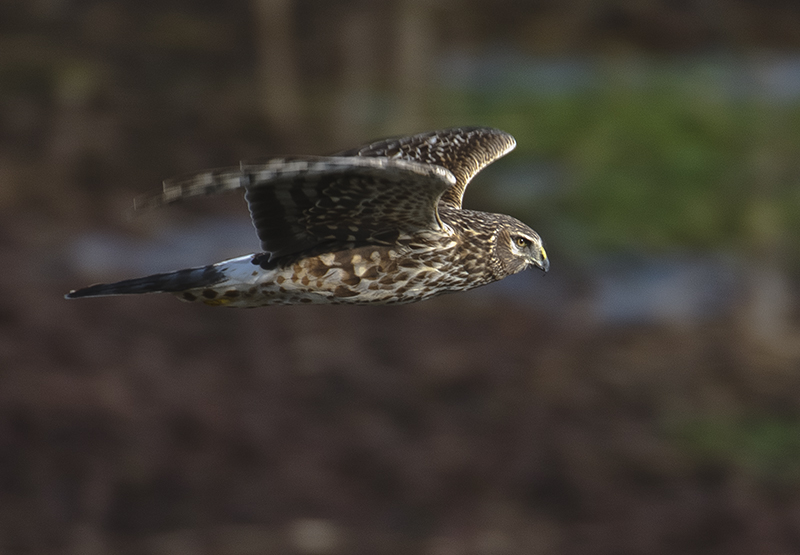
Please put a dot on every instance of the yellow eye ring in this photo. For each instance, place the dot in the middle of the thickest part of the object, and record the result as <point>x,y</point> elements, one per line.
<point>521,242</point>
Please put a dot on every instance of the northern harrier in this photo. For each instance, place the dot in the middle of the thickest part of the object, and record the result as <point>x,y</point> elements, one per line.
<point>379,224</point>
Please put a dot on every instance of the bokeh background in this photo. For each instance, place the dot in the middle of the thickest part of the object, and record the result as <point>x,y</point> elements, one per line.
<point>642,398</point>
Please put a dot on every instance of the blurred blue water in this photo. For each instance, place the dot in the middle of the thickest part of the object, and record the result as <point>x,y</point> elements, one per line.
<point>108,256</point>
<point>769,76</point>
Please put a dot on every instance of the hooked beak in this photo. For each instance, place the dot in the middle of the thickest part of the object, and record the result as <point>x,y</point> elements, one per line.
<point>541,261</point>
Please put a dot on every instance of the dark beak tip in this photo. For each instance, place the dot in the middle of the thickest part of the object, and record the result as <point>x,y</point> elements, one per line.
<point>544,265</point>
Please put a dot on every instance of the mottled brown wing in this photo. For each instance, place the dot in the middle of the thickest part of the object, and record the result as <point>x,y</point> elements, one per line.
<point>463,150</point>
<point>302,202</point>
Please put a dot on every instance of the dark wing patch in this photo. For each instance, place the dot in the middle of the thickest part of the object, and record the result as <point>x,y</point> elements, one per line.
<point>299,203</point>
<point>463,150</point>
<point>302,202</point>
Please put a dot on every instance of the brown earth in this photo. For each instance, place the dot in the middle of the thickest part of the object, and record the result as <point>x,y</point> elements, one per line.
<point>465,424</point>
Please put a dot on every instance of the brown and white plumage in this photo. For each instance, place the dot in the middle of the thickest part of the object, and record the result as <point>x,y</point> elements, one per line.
<point>380,223</point>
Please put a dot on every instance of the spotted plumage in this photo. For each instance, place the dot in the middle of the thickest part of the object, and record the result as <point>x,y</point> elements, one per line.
<point>379,224</point>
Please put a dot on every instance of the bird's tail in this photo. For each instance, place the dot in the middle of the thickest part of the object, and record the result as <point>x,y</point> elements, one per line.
<point>169,282</point>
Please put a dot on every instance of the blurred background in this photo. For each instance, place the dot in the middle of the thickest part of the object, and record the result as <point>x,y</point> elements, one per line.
<point>643,397</point>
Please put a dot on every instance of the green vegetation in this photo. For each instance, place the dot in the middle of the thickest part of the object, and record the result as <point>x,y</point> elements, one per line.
<point>766,446</point>
<point>659,157</point>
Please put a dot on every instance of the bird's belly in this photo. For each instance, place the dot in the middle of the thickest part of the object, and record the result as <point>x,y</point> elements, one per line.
<point>324,280</point>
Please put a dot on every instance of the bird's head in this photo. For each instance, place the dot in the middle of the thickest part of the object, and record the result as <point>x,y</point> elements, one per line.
<point>518,247</point>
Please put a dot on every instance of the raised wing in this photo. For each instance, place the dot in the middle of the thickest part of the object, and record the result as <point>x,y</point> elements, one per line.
<point>300,203</point>
<point>463,150</point>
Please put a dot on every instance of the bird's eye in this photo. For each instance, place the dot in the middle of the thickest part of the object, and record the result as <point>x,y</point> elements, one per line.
<point>521,242</point>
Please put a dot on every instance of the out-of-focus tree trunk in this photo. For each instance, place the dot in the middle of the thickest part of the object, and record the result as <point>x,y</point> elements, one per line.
<point>358,41</point>
<point>415,51</point>
<point>767,312</point>
<point>279,80</point>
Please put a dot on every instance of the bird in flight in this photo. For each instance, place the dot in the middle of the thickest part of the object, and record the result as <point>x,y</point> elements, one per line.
<point>381,223</point>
